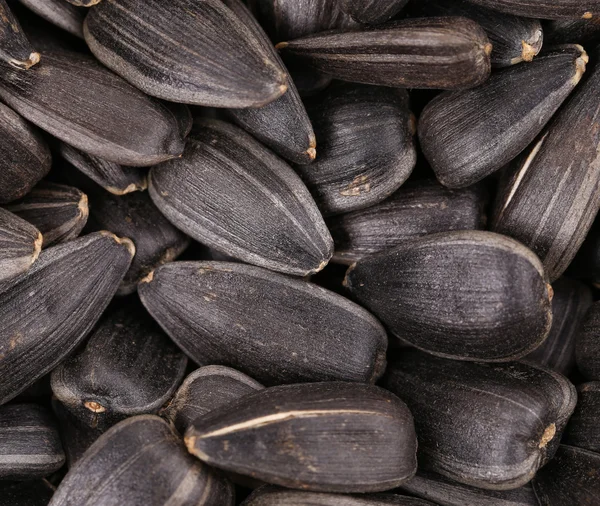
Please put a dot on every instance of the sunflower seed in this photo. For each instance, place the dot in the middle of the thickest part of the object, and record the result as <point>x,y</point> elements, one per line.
<point>15,48</point>
<point>372,11</point>
<point>556,9</point>
<point>583,430</point>
<point>20,245</point>
<point>59,13</point>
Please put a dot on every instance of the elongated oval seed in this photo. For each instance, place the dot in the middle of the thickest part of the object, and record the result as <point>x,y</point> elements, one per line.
<point>127,367</point>
<point>110,118</point>
<point>587,345</point>
<point>467,135</point>
<point>20,245</point>
<point>58,211</point>
<point>205,389</point>
<point>141,462</point>
<point>25,493</point>
<point>366,147</point>
<point>59,13</point>
<point>24,156</point>
<point>467,295</point>
<point>49,309</point>
<point>514,39</point>
<point>274,328</point>
<point>277,434</point>
<point>15,48</point>
<point>556,9</point>
<point>445,53</point>
<point>372,11</point>
<point>583,430</point>
<point>29,443</point>
<point>570,303</point>
<point>232,194</point>
<point>417,208</point>
<point>205,55</point>
<point>490,426</point>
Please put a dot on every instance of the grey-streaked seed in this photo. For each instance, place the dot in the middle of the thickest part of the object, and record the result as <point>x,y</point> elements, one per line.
<point>372,11</point>
<point>329,437</point>
<point>30,446</point>
<point>467,135</point>
<point>59,13</point>
<point>583,430</point>
<point>554,9</point>
<point>25,493</point>
<point>272,327</point>
<point>587,344</point>
<point>59,212</point>
<point>15,48</point>
<point>231,193</point>
<point>20,245</point>
<point>47,311</point>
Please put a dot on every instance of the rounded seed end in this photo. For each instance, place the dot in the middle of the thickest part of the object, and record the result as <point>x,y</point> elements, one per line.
<point>312,153</point>
<point>34,58</point>
<point>587,15</point>
<point>190,444</point>
<point>94,407</point>
<point>528,52</point>
<point>550,291</point>
<point>83,206</point>
<point>281,45</point>
<point>487,49</point>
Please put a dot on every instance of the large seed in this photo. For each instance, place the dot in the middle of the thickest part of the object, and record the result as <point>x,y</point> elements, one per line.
<point>514,39</point>
<point>587,345</point>
<point>76,99</point>
<point>569,305</point>
<point>468,295</point>
<point>372,11</point>
<point>571,477</point>
<point>417,208</point>
<point>555,9</point>
<point>232,194</point>
<point>583,430</point>
<point>207,388</point>
<point>20,245</point>
<point>59,13</point>
<point>331,437</point>
<point>127,367</point>
<point>445,53</point>
<point>141,462</point>
<point>29,443</point>
<point>25,493</point>
<point>15,48</point>
<point>366,147</point>
<point>274,328</point>
<point>48,310</point>
<point>446,492</point>
<point>467,135</point>
<point>205,55</point>
<point>490,426</point>
<point>24,156</point>
<point>59,212</point>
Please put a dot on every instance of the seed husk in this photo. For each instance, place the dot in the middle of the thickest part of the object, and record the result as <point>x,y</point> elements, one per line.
<point>205,389</point>
<point>571,477</point>
<point>514,39</point>
<point>84,3</point>
<point>372,11</point>
<point>570,303</point>
<point>556,9</point>
<point>276,435</point>
<point>446,492</point>
<point>444,53</point>
<point>15,48</point>
<point>231,193</point>
<point>25,493</point>
<point>127,367</point>
<point>467,135</point>
<point>205,55</point>
<point>59,13</point>
<point>30,445</point>
<point>270,495</point>
<point>20,245</point>
<point>366,147</point>
<point>572,31</point>
<point>583,429</point>
<point>58,211</point>
<point>587,344</point>
<point>24,156</point>
<point>491,426</point>
<point>130,128</point>
<point>272,327</point>
<point>141,462</point>
<point>467,295</point>
<point>417,208</point>
<point>48,310</point>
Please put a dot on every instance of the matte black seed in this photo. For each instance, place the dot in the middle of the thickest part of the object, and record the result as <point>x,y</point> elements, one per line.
<point>490,426</point>
<point>141,462</point>
<point>570,303</point>
<point>127,367</point>
<point>444,53</point>
<point>15,48</point>
<point>366,147</point>
<point>572,477</point>
<point>231,193</point>
<point>20,245</point>
<point>59,13</point>
<point>24,156</point>
<point>555,9</point>
<point>59,212</point>
<point>25,493</point>
<point>583,430</point>
<point>272,327</point>
<point>587,345</point>
<point>467,135</point>
<point>372,11</point>
<point>514,39</point>
<point>446,492</point>
<point>467,295</point>
<point>110,118</point>
<point>48,310</point>
<point>29,443</point>
<point>204,55</point>
<point>207,388</point>
<point>277,435</point>
<point>417,208</point>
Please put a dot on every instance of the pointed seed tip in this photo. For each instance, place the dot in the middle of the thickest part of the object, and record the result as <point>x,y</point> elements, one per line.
<point>346,282</point>
<point>124,241</point>
<point>94,406</point>
<point>587,15</point>
<point>312,153</point>
<point>37,247</point>
<point>550,292</point>
<point>190,443</point>
<point>148,278</point>
<point>281,45</point>
<point>528,52</point>
<point>488,48</point>
<point>548,435</point>
<point>83,205</point>
<point>34,58</point>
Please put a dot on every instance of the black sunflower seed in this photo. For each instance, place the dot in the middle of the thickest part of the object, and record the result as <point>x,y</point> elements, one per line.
<point>15,48</point>
<point>583,430</point>
<point>555,9</point>
<point>372,11</point>
<point>59,13</point>
<point>20,245</point>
